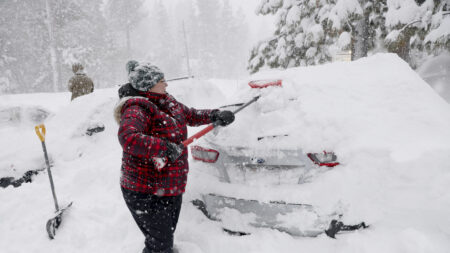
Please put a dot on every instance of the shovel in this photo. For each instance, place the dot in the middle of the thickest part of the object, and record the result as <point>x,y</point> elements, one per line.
<point>54,222</point>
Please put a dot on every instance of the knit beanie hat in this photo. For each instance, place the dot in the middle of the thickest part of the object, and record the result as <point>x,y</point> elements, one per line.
<point>143,76</point>
<point>76,67</point>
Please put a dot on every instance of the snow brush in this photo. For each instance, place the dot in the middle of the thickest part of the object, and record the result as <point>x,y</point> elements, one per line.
<point>160,162</point>
<point>54,222</point>
<point>254,84</point>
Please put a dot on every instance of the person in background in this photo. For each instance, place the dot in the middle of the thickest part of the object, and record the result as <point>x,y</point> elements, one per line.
<point>80,84</point>
<point>152,126</point>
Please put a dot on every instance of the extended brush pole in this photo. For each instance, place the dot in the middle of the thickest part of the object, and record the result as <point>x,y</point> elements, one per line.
<point>179,78</point>
<point>214,124</point>
<point>40,131</point>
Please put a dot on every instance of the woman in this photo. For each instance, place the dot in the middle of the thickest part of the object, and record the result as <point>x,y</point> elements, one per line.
<point>153,125</point>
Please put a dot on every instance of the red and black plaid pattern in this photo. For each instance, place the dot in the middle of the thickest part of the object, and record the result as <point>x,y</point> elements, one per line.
<point>146,124</point>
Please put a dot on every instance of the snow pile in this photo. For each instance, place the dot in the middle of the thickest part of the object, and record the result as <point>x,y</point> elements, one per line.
<point>390,130</point>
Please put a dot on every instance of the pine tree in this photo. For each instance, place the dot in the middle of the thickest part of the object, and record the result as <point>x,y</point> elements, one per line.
<point>240,44</point>
<point>216,38</point>
<point>24,64</point>
<point>49,20</point>
<point>125,15</point>
<point>310,31</point>
<point>227,43</point>
<point>185,35</point>
<point>164,51</point>
<point>354,25</point>
<point>186,13</point>
<point>209,37</point>
<point>438,36</point>
<point>80,35</point>
<point>299,38</point>
<point>422,33</point>
<point>233,42</point>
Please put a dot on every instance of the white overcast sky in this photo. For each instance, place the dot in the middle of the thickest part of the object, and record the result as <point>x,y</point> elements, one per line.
<point>261,26</point>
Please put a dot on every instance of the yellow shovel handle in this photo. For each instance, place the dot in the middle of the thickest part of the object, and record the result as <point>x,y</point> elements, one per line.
<point>40,131</point>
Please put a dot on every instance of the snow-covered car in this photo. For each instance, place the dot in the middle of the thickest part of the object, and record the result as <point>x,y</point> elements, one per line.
<point>261,142</point>
<point>15,114</point>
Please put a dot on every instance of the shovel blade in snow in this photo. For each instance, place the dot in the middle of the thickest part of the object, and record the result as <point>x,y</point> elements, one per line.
<point>53,223</point>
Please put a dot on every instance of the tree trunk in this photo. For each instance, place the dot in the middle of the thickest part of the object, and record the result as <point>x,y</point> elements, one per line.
<point>187,52</point>
<point>402,47</point>
<point>127,31</point>
<point>360,35</point>
<point>128,42</point>
<point>52,48</point>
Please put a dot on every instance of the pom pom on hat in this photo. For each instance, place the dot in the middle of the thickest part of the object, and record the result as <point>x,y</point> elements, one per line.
<point>143,76</point>
<point>131,65</point>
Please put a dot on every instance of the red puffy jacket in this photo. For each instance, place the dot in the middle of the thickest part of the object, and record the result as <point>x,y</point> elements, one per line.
<point>146,124</point>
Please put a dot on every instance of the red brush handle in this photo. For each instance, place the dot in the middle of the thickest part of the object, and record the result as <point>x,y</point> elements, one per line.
<point>198,135</point>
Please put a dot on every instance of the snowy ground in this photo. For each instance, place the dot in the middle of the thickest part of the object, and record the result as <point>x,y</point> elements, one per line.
<point>389,128</point>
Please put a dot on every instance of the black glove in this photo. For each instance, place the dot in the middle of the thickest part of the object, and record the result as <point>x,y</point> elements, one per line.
<point>223,118</point>
<point>174,151</point>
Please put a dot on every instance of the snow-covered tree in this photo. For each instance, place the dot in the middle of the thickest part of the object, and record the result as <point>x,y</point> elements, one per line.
<point>216,38</point>
<point>24,64</point>
<point>232,42</point>
<point>354,24</point>
<point>49,20</point>
<point>438,36</point>
<point>31,62</point>
<point>418,28</point>
<point>82,36</point>
<point>125,15</point>
<point>209,36</point>
<point>299,39</point>
<point>405,20</point>
<point>311,31</point>
<point>164,51</point>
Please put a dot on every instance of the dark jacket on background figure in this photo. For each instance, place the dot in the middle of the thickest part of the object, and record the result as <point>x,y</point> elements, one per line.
<point>80,84</point>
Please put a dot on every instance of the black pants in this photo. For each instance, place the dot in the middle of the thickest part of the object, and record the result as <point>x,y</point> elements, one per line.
<point>157,217</point>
